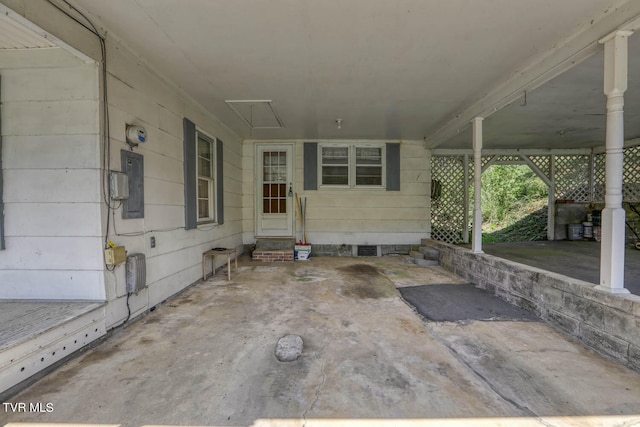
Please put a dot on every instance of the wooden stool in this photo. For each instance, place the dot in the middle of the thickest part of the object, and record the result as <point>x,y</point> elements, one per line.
<point>213,254</point>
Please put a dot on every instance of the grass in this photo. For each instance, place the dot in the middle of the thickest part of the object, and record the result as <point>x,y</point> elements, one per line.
<point>528,223</point>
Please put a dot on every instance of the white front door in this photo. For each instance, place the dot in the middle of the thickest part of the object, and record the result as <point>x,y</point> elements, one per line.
<point>274,193</point>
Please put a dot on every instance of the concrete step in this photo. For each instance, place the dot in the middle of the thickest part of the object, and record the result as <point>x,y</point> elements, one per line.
<point>275,244</point>
<point>419,258</point>
<point>427,262</point>
<point>429,253</point>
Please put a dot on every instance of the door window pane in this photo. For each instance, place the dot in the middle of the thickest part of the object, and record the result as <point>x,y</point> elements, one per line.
<point>274,177</point>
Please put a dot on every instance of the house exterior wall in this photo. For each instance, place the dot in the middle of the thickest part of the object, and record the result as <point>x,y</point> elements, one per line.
<point>352,216</point>
<point>50,137</point>
<point>54,183</point>
<point>138,97</point>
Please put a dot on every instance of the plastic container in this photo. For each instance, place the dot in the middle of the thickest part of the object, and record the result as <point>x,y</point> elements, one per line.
<point>302,252</point>
<point>575,232</point>
<point>587,230</point>
<point>597,233</point>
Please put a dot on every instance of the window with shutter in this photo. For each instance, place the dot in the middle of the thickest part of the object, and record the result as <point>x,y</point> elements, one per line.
<point>203,186</point>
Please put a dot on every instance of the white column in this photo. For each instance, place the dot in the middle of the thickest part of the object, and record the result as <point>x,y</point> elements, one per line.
<point>613,216</point>
<point>476,245</point>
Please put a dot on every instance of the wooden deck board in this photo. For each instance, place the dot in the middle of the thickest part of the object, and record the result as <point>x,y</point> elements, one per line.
<point>24,320</point>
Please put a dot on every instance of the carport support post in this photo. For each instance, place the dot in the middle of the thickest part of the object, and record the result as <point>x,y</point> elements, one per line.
<point>613,215</point>
<point>476,244</point>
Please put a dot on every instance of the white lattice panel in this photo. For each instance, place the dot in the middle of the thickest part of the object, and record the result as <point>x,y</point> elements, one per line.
<point>572,178</point>
<point>485,160</point>
<point>598,177</point>
<point>447,212</point>
<point>543,163</point>
<point>508,160</point>
<point>631,175</point>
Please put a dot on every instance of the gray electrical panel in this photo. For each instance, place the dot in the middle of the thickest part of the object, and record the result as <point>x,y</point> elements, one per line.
<point>133,167</point>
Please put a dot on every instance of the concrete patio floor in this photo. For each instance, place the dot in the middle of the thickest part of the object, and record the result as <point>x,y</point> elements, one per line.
<point>206,357</point>
<point>577,259</point>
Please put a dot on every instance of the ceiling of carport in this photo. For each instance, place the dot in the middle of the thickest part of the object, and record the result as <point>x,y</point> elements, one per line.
<point>567,112</point>
<point>390,69</point>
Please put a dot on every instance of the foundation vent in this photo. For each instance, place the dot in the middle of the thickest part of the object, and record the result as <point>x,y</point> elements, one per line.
<point>136,273</point>
<point>367,250</point>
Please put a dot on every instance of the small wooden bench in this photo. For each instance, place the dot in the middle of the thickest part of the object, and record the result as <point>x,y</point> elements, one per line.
<point>213,253</point>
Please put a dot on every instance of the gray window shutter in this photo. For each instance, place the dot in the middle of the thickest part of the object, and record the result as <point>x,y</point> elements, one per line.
<point>190,181</point>
<point>393,167</point>
<point>310,165</point>
<point>219,183</point>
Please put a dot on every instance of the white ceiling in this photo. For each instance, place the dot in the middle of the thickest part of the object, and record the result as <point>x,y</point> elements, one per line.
<point>390,69</point>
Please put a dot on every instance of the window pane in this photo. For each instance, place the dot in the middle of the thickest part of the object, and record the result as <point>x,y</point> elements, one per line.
<point>335,175</point>
<point>335,155</point>
<point>204,167</point>
<point>266,173</point>
<point>265,206</point>
<point>265,190</point>
<point>274,206</point>
<point>283,205</point>
<point>368,156</point>
<point>203,209</point>
<point>204,148</point>
<point>368,175</point>
<point>203,189</point>
<point>280,174</point>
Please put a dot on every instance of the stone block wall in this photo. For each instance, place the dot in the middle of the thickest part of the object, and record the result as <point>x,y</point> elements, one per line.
<point>610,324</point>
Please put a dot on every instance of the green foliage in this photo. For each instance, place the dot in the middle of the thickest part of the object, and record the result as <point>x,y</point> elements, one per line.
<point>508,191</point>
<point>514,203</point>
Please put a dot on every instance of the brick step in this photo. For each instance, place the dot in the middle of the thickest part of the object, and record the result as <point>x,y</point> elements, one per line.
<point>273,256</point>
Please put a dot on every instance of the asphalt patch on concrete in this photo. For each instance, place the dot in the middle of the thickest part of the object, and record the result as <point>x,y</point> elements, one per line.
<point>452,303</point>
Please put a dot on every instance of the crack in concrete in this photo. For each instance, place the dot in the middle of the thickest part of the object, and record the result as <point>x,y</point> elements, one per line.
<point>484,379</point>
<point>426,323</point>
<point>318,389</point>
